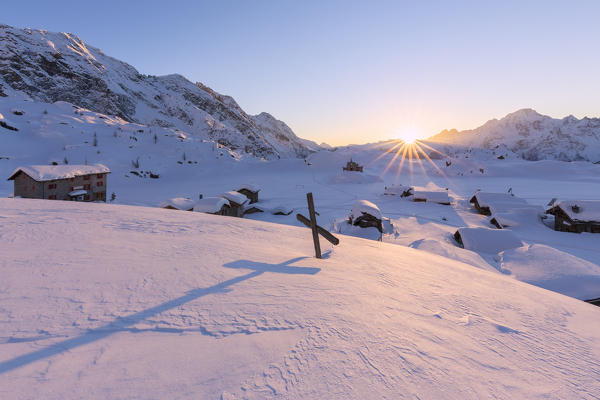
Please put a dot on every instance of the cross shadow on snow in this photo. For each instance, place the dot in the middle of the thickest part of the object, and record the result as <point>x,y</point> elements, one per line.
<point>283,268</point>
<point>123,323</point>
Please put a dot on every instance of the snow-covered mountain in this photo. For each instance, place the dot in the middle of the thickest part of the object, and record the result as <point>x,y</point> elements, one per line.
<point>533,136</point>
<point>50,67</point>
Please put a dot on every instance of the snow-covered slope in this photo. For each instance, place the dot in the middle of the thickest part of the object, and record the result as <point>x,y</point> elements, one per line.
<point>532,136</point>
<point>106,301</point>
<point>50,67</point>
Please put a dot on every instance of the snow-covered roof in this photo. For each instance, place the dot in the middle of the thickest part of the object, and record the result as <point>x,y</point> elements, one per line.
<point>234,197</point>
<point>250,187</point>
<point>581,210</point>
<point>52,172</point>
<point>396,190</point>
<point>210,204</point>
<point>488,240</point>
<point>365,207</point>
<point>77,192</point>
<point>180,203</point>
<point>435,197</point>
<point>518,216</point>
<point>500,200</point>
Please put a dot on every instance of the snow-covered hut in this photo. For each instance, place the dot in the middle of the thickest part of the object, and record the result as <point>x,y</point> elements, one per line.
<point>352,166</point>
<point>61,182</point>
<point>178,203</point>
<point>213,205</point>
<point>366,214</point>
<point>484,240</point>
<point>518,216</point>
<point>398,190</point>
<point>250,191</point>
<point>487,203</point>
<point>236,203</point>
<point>576,216</point>
<point>432,197</point>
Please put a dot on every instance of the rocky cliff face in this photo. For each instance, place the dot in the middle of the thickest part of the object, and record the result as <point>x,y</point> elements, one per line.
<point>533,136</point>
<point>52,67</point>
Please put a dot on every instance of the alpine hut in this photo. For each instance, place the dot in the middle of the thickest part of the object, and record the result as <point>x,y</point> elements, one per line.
<point>576,216</point>
<point>352,166</point>
<point>179,203</point>
<point>366,214</point>
<point>432,197</point>
<point>61,182</point>
<point>236,203</point>
<point>213,205</point>
<point>250,191</point>
<point>398,190</point>
<point>486,203</point>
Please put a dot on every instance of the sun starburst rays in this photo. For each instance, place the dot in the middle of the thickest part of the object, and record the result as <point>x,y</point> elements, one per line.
<point>403,152</point>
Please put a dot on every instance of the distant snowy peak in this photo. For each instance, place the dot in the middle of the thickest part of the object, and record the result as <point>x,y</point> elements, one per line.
<point>533,136</point>
<point>52,67</point>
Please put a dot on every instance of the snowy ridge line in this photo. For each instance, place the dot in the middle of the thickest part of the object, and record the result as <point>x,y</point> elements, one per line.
<point>50,67</point>
<point>528,135</point>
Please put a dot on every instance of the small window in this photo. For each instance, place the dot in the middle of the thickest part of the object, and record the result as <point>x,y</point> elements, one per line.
<point>86,178</point>
<point>99,176</point>
<point>99,183</point>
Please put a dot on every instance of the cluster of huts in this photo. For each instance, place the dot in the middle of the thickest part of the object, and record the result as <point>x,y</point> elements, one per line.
<point>506,210</point>
<point>61,182</point>
<point>409,192</point>
<point>234,203</point>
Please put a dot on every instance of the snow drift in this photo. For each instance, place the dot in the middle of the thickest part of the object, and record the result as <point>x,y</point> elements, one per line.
<point>162,304</point>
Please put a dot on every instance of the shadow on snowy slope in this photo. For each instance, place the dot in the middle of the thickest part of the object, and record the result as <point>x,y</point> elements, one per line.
<point>123,323</point>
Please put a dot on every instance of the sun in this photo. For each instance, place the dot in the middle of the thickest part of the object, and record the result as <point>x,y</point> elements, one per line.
<point>409,136</point>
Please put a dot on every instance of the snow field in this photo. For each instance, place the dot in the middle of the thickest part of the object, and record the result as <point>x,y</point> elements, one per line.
<point>152,303</point>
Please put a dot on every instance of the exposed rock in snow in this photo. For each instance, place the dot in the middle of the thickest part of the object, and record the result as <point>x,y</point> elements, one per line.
<point>52,67</point>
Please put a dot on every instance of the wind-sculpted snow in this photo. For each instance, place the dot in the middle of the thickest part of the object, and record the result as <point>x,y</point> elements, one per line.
<point>149,303</point>
<point>52,67</point>
<point>531,136</point>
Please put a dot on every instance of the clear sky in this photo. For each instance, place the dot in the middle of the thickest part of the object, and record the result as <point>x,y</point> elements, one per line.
<point>354,71</point>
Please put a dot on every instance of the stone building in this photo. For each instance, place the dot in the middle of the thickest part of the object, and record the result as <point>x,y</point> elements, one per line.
<point>61,182</point>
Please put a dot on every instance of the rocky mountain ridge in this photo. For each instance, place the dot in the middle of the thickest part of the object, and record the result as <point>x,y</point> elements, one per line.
<point>533,136</point>
<point>50,67</point>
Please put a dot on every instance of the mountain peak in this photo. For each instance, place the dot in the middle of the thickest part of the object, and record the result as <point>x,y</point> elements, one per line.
<point>50,67</point>
<point>524,113</point>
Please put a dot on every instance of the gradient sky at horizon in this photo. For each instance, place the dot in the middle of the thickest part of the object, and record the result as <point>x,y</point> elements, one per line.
<point>354,71</point>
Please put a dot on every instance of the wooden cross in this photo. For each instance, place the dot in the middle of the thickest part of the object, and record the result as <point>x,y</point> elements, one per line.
<point>316,229</point>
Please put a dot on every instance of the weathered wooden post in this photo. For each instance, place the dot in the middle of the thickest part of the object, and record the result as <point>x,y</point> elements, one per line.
<point>313,224</point>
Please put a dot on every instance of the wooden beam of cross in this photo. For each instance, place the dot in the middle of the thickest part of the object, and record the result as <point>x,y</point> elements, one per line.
<point>316,229</point>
